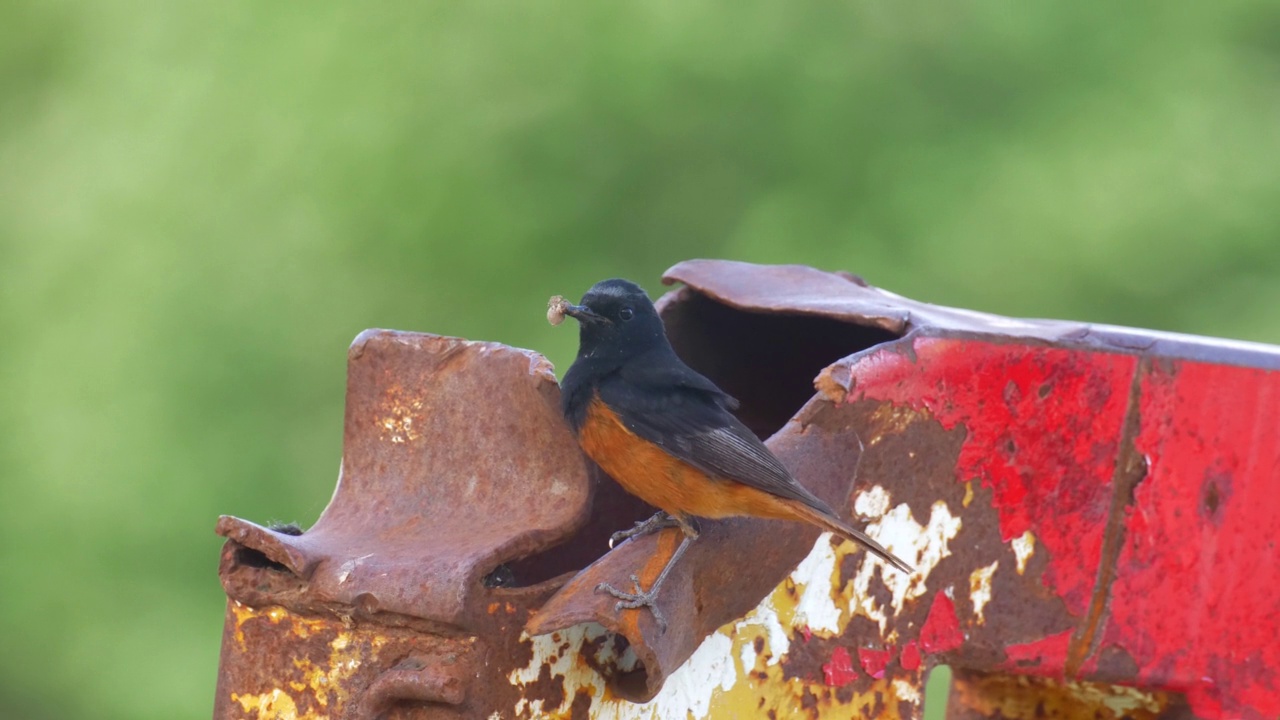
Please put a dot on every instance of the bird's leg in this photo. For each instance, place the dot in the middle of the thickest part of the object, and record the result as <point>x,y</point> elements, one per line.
<point>648,598</point>
<point>659,521</point>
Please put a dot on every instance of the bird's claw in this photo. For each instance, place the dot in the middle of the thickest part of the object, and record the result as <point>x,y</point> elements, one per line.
<point>637,599</point>
<point>658,522</point>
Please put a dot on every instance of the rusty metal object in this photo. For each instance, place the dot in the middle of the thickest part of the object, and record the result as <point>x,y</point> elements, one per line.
<point>457,475</point>
<point>1088,508</point>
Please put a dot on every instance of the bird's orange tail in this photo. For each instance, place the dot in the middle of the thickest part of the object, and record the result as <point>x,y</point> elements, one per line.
<point>832,524</point>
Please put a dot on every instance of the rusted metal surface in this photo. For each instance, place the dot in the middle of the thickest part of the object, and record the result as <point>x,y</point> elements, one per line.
<point>457,470</point>
<point>975,696</point>
<point>1139,466</point>
<point>1088,510</point>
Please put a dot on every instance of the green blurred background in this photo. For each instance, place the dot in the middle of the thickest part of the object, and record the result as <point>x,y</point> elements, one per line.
<point>202,204</point>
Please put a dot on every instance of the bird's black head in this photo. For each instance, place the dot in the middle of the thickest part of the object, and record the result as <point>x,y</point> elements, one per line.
<point>616,321</point>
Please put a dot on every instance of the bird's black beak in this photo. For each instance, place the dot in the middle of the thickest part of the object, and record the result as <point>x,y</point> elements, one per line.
<point>583,314</point>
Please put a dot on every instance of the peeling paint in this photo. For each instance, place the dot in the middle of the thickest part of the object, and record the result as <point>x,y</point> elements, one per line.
<point>891,419</point>
<point>910,655</point>
<point>980,589</point>
<point>1024,697</point>
<point>327,677</point>
<point>777,642</point>
<point>274,705</point>
<point>1019,447</point>
<point>688,690</point>
<point>874,661</point>
<point>302,627</point>
<point>872,502</point>
<point>748,658</point>
<point>941,630</point>
<point>906,691</point>
<point>1118,698</point>
<point>1024,546</point>
<point>839,669</point>
<point>923,546</point>
<point>815,609</point>
<point>318,682</point>
<point>738,670</point>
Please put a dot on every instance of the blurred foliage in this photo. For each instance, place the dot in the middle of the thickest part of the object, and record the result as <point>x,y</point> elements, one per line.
<point>201,204</point>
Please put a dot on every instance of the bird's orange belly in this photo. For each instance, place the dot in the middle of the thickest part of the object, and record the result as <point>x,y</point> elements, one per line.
<point>664,481</point>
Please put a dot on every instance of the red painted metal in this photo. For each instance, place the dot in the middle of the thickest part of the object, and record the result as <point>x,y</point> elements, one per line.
<point>839,670</point>
<point>910,659</point>
<point>1046,656</point>
<point>874,661</point>
<point>1195,596</point>
<point>1048,463</point>
<point>941,631</point>
<point>1192,596</point>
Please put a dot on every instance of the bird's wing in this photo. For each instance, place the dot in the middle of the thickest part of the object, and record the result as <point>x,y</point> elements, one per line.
<point>665,372</point>
<point>692,424</point>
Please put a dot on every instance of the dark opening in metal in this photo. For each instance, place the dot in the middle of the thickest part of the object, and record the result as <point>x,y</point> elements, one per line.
<point>767,361</point>
<point>248,557</point>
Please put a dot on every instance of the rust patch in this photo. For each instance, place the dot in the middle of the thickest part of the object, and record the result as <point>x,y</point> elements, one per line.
<point>1025,697</point>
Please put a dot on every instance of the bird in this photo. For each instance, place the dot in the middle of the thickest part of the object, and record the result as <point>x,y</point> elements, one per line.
<point>668,435</point>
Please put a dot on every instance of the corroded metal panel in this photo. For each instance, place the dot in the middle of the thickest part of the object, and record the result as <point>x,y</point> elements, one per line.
<point>1088,510</point>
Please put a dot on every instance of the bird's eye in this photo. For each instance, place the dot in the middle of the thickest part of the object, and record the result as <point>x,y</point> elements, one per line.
<point>626,313</point>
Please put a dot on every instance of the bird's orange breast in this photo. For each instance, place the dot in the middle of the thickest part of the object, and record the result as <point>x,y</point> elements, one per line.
<point>652,474</point>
